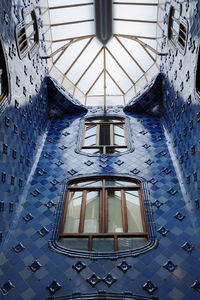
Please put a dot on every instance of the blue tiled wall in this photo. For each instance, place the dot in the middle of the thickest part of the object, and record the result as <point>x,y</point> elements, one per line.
<point>181,106</point>
<point>29,269</point>
<point>24,120</point>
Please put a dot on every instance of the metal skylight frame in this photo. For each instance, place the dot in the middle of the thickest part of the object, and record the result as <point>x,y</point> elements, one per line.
<point>150,51</point>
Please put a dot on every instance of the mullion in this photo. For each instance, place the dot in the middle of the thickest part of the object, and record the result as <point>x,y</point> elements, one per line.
<point>64,212</point>
<point>124,211</point>
<point>82,212</point>
<point>111,135</point>
<point>97,135</point>
<point>104,208</point>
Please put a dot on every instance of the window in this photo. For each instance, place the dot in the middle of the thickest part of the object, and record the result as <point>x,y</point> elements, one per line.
<point>198,74</point>
<point>27,32</point>
<point>177,31</point>
<point>103,215</point>
<point>3,76</point>
<point>104,135</point>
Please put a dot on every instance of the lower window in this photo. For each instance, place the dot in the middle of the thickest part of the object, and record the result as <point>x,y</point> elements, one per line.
<point>103,215</point>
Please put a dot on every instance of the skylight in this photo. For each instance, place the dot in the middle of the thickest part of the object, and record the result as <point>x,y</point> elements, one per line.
<point>98,74</point>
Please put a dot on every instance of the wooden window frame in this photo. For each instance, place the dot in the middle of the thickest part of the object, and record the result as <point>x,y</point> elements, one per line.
<point>103,211</point>
<point>180,36</point>
<point>21,33</point>
<point>3,74</point>
<point>90,121</point>
<point>35,26</point>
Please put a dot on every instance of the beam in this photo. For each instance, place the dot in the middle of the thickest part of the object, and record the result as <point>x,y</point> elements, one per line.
<point>75,37</point>
<point>61,54</point>
<point>134,36</point>
<point>120,66</point>
<point>144,45</point>
<point>135,3</point>
<point>78,56</point>
<point>135,21</point>
<point>63,47</point>
<point>104,73</point>
<point>71,23</point>
<point>69,6</point>
<point>115,82</point>
<point>135,61</point>
<point>94,83</point>
<point>88,66</point>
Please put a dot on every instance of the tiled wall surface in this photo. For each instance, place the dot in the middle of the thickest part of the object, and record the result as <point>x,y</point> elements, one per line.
<point>29,269</point>
<point>24,120</point>
<point>181,113</point>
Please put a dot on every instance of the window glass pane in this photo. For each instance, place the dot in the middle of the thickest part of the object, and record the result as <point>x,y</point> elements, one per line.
<point>90,141</point>
<point>133,211</point>
<point>104,135</point>
<point>88,183</point>
<point>28,18</point>
<point>175,25</point>
<point>91,223</point>
<point>74,243</point>
<point>119,140</point>
<point>114,211</point>
<point>90,130</point>
<point>118,129</point>
<point>118,150</point>
<point>73,212</point>
<point>120,183</point>
<point>29,30</point>
<point>103,245</point>
<point>131,243</point>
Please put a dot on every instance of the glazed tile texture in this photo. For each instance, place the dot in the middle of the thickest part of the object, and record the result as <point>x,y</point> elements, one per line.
<point>44,155</point>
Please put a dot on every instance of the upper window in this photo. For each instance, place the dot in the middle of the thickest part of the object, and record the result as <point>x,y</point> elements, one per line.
<point>177,31</point>
<point>27,32</point>
<point>104,135</point>
<point>198,74</point>
<point>103,215</point>
<point>3,75</point>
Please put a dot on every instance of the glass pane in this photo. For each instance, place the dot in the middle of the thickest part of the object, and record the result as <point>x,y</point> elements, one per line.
<point>104,138</point>
<point>74,243</point>
<point>29,30</point>
<point>119,140</point>
<point>88,183</point>
<point>114,211</point>
<point>90,141</point>
<point>91,223</point>
<point>128,243</point>
<point>90,130</point>
<point>73,212</point>
<point>115,150</point>
<point>118,129</point>
<point>103,244</point>
<point>120,183</point>
<point>133,211</point>
<point>28,18</point>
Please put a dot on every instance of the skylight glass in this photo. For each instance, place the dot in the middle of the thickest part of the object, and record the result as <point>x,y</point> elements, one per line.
<point>98,74</point>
